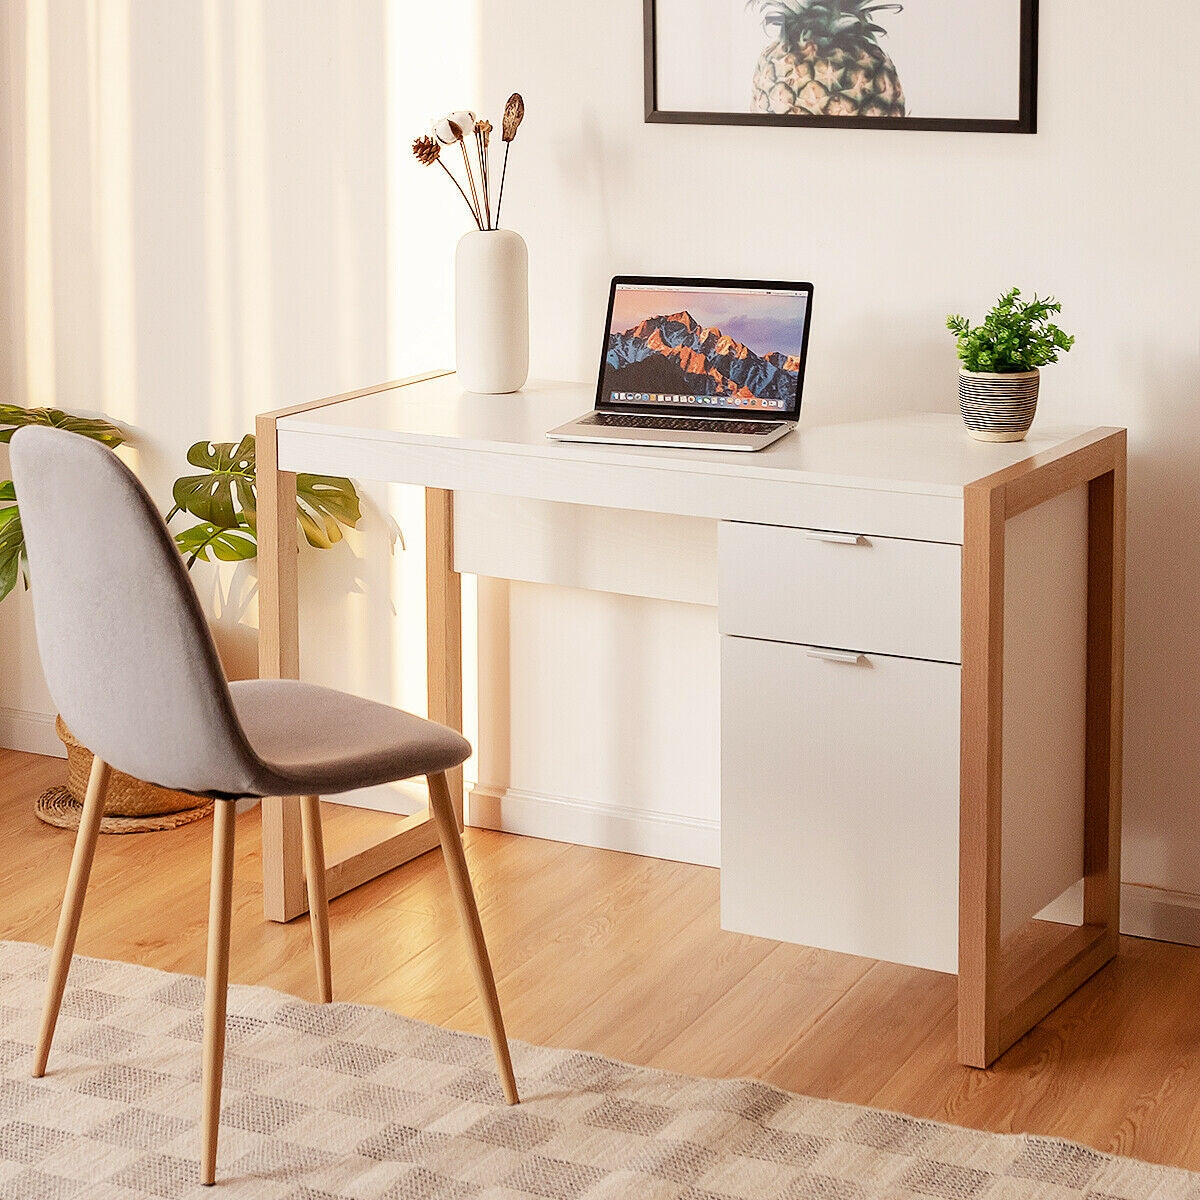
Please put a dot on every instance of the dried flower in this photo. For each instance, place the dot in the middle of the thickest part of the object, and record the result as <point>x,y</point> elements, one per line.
<point>446,131</point>
<point>426,150</point>
<point>454,128</point>
<point>514,114</point>
<point>483,133</point>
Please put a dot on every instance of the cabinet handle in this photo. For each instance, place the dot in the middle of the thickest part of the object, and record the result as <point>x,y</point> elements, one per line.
<point>850,657</point>
<point>836,539</point>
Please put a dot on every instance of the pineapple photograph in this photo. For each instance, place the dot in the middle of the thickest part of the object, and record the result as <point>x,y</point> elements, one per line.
<point>915,64</point>
<point>825,59</point>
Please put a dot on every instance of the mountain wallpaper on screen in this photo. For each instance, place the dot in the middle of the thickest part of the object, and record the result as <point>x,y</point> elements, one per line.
<point>677,355</point>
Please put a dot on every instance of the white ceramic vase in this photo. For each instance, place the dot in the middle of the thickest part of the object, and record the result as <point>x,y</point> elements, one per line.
<point>491,299</point>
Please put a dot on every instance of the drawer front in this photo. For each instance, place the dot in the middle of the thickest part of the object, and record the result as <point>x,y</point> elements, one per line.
<point>839,801</point>
<point>875,594</point>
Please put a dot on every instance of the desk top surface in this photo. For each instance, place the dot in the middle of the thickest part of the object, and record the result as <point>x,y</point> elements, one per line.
<point>929,453</point>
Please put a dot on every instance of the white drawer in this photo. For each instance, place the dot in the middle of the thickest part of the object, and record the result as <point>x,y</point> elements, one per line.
<point>877,594</point>
<point>839,801</point>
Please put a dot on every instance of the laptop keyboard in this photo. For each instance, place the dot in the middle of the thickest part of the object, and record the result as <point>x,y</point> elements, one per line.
<point>683,424</point>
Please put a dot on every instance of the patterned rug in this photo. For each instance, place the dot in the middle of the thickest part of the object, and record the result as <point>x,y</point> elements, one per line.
<point>344,1101</point>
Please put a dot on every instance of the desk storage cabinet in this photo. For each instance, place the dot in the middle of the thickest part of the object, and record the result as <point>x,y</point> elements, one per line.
<point>839,800</point>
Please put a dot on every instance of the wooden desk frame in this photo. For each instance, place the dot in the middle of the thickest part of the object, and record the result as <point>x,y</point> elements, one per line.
<point>1004,989</point>
<point>284,894</point>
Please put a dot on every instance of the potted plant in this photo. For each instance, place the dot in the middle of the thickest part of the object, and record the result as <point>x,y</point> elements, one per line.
<point>1001,361</point>
<point>223,499</point>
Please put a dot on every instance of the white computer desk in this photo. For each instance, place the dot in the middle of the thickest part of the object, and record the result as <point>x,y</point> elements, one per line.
<point>921,669</point>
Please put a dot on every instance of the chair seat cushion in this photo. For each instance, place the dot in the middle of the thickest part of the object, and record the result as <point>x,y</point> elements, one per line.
<point>316,741</point>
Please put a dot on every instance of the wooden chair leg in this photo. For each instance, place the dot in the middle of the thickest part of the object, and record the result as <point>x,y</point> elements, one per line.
<point>216,984</point>
<point>318,897</point>
<point>68,920</point>
<point>442,804</point>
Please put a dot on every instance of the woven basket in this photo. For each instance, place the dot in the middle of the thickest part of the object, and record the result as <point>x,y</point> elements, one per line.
<point>126,796</point>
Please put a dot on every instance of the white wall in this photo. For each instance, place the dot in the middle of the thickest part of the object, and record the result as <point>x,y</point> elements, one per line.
<point>895,230</point>
<point>210,210</point>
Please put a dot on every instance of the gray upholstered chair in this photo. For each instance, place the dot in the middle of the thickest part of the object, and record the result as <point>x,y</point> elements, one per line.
<point>133,670</point>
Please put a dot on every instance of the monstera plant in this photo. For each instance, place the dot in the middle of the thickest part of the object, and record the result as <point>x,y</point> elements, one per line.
<point>222,497</point>
<point>224,500</point>
<point>13,562</point>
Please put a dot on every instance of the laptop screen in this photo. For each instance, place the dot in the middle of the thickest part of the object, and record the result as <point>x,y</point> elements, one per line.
<point>717,347</point>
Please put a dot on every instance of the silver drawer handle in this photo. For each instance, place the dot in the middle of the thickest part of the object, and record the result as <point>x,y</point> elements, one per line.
<point>836,539</point>
<point>849,657</point>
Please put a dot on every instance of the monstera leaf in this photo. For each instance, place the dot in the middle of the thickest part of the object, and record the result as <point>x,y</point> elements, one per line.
<point>224,495</point>
<point>95,428</point>
<point>12,542</point>
<point>225,499</point>
<point>235,544</point>
<point>13,562</point>
<point>324,503</point>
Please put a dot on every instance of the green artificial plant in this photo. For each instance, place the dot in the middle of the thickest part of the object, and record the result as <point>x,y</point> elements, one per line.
<point>223,498</point>
<point>13,560</point>
<point>1017,335</point>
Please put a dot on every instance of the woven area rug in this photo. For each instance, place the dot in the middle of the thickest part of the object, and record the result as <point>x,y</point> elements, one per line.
<point>344,1101</point>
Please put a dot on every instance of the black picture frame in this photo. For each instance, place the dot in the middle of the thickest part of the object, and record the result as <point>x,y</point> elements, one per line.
<point>1026,121</point>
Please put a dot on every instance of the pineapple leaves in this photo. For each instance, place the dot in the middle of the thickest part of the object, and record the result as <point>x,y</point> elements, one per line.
<point>96,428</point>
<point>224,499</point>
<point>1017,335</point>
<point>827,24</point>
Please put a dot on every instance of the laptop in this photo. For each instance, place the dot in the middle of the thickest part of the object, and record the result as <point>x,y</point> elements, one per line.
<point>709,364</point>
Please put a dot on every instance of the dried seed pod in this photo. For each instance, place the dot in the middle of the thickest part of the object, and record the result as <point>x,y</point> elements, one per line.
<point>514,114</point>
<point>426,151</point>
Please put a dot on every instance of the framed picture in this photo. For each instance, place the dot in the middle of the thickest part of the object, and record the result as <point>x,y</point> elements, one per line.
<point>967,65</point>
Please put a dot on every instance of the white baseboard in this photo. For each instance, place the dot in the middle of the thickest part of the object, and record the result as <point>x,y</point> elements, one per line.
<point>1146,912</point>
<point>608,827</point>
<point>32,732</point>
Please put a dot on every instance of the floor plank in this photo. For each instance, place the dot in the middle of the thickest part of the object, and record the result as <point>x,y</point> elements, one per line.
<point>625,956</point>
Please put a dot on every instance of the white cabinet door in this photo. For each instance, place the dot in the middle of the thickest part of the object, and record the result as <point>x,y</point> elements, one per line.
<point>839,800</point>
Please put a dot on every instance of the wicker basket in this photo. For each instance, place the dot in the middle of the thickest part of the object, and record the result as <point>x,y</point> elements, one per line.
<point>126,796</point>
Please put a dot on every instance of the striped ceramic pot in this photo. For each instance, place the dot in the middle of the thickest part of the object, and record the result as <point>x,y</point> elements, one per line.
<point>998,408</point>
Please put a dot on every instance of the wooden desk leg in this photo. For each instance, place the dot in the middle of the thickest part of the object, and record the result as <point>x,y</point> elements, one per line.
<point>443,616</point>
<point>1105,702</point>
<point>1002,996</point>
<point>980,766</point>
<point>284,893</point>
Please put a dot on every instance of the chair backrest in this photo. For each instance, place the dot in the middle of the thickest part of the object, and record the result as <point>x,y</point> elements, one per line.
<point>126,650</point>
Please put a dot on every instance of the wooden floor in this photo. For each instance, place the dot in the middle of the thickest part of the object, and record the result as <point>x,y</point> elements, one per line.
<point>624,956</point>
